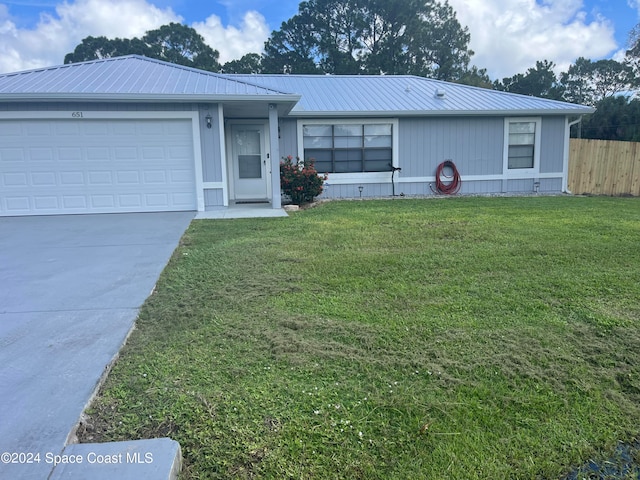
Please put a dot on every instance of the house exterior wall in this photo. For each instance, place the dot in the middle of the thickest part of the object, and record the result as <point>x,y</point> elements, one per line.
<point>288,137</point>
<point>552,145</point>
<point>475,144</point>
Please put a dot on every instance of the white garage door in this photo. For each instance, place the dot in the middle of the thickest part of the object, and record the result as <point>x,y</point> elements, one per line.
<point>96,166</point>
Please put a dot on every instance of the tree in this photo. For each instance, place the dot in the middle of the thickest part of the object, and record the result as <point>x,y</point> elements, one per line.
<point>420,37</point>
<point>476,77</point>
<point>615,118</point>
<point>588,82</point>
<point>290,49</point>
<point>96,48</point>
<point>175,43</point>
<point>540,81</point>
<point>249,63</point>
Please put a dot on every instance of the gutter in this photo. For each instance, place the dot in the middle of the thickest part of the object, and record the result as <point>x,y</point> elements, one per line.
<point>299,113</point>
<point>146,97</point>
<point>565,181</point>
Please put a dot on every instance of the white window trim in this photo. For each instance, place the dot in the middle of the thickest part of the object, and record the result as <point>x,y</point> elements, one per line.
<point>522,172</point>
<point>363,177</point>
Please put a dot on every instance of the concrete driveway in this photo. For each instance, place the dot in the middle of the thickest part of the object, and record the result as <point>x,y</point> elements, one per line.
<point>70,290</point>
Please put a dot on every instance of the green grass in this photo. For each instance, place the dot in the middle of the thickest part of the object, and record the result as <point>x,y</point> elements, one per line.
<point>462,338</point>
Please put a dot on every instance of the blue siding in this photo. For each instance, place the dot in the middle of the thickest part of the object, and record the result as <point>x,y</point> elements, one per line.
<point>288,137</point>
<point>369,190</point>
<point>213,198</point>
<point>474,144</point>
<point>552,144</point>
<point>210,140</point>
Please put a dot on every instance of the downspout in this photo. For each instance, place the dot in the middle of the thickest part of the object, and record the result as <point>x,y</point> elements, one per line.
<point>565,179</point>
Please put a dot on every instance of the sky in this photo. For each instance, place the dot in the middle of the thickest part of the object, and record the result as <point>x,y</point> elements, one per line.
<point>507,36</point>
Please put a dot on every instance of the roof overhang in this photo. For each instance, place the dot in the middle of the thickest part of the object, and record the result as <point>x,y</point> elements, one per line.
<point>285,102</point>
<point>443,113</point>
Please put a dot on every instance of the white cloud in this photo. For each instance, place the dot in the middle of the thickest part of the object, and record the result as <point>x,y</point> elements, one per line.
<point>56,35</point>
<point>509,36</point>
<point>232,42</point>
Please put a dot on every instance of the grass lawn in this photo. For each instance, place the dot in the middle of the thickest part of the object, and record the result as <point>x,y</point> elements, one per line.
<point>462,338</point>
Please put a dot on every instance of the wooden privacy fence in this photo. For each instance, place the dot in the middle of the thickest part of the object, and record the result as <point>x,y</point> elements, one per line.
<point>604,167</point>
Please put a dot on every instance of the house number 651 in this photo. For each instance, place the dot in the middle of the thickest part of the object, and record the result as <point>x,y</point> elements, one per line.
<point>77,115</point>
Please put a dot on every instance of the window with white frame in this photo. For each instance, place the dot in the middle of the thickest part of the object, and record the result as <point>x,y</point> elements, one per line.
<point>522,149</point>
<point>349,147</point>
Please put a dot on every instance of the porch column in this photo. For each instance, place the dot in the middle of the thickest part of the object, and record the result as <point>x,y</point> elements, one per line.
<point>274,141</point>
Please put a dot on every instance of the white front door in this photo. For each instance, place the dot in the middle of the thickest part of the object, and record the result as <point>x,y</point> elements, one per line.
<point>249,163</point>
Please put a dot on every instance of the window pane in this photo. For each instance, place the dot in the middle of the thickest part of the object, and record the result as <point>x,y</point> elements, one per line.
<point>317,142</point>
<point>249,166</point>
<point>347,130</point>
<point>384,129</point>
<point>323,167</point>
<point>348,167</point>
<point>345,155</point>
<point>323,159</point>
<point>318,155</point>
<point>377,141</point>
<point>521,138</point>
<point>378,160</point>
<point>348,142</point>
<point>348,161</point>
<point>522,127</point>
<point>521,156</point>
<point>317,130</point>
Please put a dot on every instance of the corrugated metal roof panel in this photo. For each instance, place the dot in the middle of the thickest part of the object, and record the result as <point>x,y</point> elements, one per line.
<point>328,94</point>
<point>126,75</point>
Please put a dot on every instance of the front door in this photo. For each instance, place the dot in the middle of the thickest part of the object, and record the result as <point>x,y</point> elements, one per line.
<point>249,163</point>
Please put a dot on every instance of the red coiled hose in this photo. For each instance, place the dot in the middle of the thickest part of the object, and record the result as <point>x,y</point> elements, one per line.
<point>450,188</point>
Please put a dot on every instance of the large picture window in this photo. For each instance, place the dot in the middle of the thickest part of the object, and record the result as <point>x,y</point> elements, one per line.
<point>349,148</point>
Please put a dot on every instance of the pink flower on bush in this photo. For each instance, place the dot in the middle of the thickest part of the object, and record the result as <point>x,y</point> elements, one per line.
<point>300,180</point>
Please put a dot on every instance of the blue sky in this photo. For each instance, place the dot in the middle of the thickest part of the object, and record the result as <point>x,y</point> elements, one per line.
<point>508,36</point>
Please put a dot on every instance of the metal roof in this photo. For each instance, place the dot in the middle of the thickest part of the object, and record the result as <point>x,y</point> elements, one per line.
<point>328,95</point>
<point>137,78</point>
<point>131,77</point>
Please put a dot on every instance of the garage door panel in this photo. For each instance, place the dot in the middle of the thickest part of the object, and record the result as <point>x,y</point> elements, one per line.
<point>96,166</point>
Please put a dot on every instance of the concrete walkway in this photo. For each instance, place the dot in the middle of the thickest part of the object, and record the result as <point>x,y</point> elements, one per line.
<point>242,211</point>
<point>70,290</point>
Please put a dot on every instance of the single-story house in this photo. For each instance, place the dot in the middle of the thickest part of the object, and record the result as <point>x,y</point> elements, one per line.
<point>133,134</point>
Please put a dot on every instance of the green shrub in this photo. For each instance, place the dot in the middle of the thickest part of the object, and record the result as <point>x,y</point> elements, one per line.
<point>300,180</point>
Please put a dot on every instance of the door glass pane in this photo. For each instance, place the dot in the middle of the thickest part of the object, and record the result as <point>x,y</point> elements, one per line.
<point>248,142</point>
<point>249,166</point>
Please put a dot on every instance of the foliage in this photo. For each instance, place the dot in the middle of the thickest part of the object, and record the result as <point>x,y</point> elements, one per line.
<point>419,37</point>
<point>587,82</point>
<point>249,63</point>
<point>183,45</point>
<point>467,338</point>
<point>615,118</point>
<point>174,43</point>
<point>540,81</point>
<point>300,180</point>
<point>95,48</point>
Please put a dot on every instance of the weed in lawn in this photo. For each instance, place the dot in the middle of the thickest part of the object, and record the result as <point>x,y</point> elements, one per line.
<point>467,338</point>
